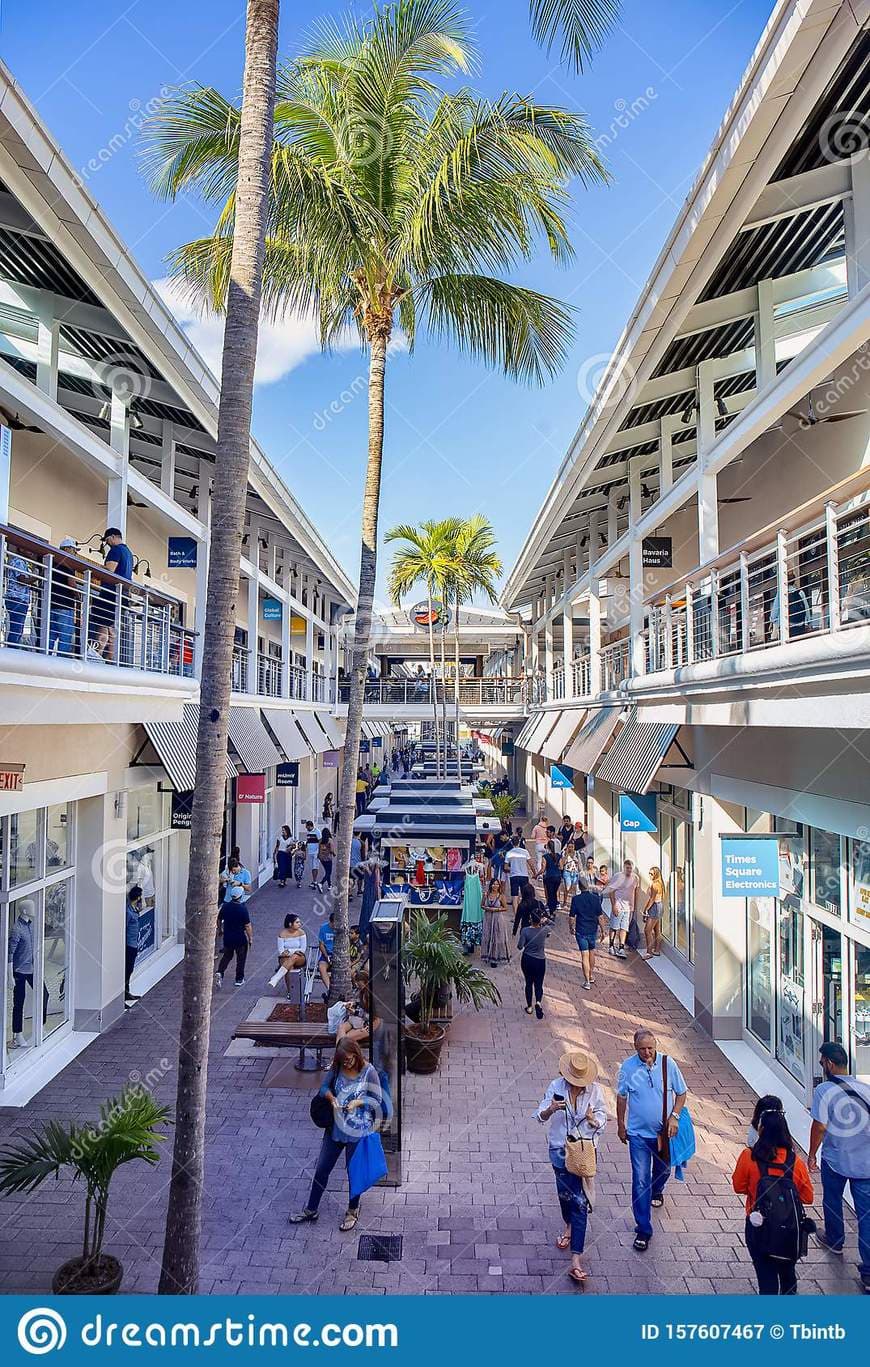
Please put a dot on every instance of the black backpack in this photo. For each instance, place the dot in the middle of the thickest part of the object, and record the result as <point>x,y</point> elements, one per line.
<point>776,1201</point>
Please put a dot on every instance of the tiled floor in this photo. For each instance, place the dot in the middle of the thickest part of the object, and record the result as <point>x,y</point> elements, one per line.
<point>477,1209</point>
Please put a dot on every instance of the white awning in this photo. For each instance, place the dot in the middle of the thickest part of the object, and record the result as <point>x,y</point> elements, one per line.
<point>289,737</point>
<point>599,726</point>
<point>563,733</point>
<point>314,732</point>
<point>251,740</point>
<point>545,723</point>
<point>334,731</point>
<point>526,731</point>
<point>175,743</point>
<point>637,753</point>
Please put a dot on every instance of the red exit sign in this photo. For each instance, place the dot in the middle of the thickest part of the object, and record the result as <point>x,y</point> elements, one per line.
<point>11,778</point>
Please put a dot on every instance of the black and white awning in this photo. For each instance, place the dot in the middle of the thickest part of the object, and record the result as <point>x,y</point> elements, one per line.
<point>251,741</point>
<point>588,746</point>
<point>175,743</point>
<point>637,753</point>
<point>314,732</point>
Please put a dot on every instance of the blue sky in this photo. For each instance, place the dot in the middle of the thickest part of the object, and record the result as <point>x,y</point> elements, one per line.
<point>460,438</point>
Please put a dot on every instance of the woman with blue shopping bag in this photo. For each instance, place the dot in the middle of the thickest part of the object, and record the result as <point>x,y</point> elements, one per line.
<point>349,1110</point>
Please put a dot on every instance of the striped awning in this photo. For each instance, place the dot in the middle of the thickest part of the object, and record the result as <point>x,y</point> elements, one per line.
<point>334,734</point>
<point>251,740</point>
<point>314,732</point>
<point>287,733</point>
<point>546,722</point>
<point>175,743</point>
<point>526,731</point>
<point>563,733</point>
<point>637,753</point>
<point>585,750</point>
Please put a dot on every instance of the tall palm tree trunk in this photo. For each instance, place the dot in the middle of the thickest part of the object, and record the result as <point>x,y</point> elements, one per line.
<point>340,983</point>
<point>433,685</point>
<point>180,1269</point>
<point>444,680</point>
<point>456,681</point>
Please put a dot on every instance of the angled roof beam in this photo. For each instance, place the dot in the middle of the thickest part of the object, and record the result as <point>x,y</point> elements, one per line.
<point>809,190</point>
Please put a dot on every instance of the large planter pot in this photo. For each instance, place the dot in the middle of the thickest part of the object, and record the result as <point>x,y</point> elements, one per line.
<point>102,1279</point>
<point>423,1053</point>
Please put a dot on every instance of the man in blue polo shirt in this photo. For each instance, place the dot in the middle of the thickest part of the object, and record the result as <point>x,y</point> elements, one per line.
<point>841,1125</point>
<point>640,1104</point>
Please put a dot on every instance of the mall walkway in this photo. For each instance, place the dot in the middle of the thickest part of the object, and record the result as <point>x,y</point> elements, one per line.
<point>477,1210</point>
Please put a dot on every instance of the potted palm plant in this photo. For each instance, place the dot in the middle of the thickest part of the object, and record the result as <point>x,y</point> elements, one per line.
<point>433,956</point>
<point>504,806</point>
<point>126,1130</point>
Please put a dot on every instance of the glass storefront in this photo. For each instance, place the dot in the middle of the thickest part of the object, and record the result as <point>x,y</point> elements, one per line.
<point>676,864</point>
<point>37,886</point>
<point>808,950</point>
<point>148,814</point>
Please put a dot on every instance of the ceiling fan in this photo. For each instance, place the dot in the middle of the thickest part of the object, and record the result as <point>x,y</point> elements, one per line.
<point>813,419</point>
<point>131,503</point>
<point>736,498</point>
<point>14,423</point>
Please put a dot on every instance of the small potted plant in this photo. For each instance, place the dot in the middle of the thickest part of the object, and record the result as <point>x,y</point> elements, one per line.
<point>505,806</point>
<point>433,956</point>
<point>126,1130</point>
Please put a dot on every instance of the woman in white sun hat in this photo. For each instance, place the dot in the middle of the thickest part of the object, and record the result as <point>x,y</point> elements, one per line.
<point>573,1104</point>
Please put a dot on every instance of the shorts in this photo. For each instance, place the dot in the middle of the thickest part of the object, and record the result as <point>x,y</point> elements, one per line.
<point>518,883</point>
<point>654,912</point>
<point>620,918</point>
<point>586,942</point>
<point>570,879</point>
<point>312,856</point>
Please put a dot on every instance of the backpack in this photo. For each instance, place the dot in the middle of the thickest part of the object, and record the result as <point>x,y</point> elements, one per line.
<point>776,1201</point>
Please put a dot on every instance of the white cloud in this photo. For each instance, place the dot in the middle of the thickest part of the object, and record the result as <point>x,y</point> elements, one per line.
<point>282,346</point>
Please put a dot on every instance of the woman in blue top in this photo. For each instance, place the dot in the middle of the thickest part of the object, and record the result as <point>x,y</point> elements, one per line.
<point>354,1089</point>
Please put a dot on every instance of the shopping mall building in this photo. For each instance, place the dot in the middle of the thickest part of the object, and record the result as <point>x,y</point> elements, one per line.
<point>108,419</point>
<point>696,585</point>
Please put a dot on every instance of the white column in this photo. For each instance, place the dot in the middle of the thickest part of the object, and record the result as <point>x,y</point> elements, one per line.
<point>203,512</point>
<point>594,639</point>
<point>47,345</point>
<point>548,655</point>
<point>167,463</point>
<point>5,472</point>
<point>253,625</point>
<point>667,427</point>
<point>309,641</point>
<point>286,647</point>
<point>612,515</point>
<point>856,210</point>
<point>765,338</point>
<point>568,648</point>
<point>706,409</point>
<point>594,535</point>
<point>119,440</point>
<point>708,519</point>
<point>635,605</point>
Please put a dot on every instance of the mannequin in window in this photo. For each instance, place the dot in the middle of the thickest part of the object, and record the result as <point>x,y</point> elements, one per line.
<point>21,946</point>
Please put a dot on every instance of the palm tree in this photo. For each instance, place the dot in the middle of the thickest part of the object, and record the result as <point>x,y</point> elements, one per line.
<point>424,557</point>
<point>180,1269</point>
<point>394,205</point>
<point>475,568</point>
<point>582,25</point>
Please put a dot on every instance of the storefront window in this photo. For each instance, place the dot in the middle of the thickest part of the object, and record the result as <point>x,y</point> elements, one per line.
<point>825,866</point>
<point>56,941</point>
<point>792,856</point>
<point>859,900</point>
<point>861,1033</point>
<point>58,838</point>
<point>759,925</point>
<point>147,812</point>
<point>791,987</point>
<point>25,848</point>
<point>145,869</point>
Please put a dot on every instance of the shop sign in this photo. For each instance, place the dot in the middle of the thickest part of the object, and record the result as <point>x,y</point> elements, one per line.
<point>271,610</point>
<point>250,789</point>
<point>364,746</point>
<point>561,776</point>
<point>750,866</point>
<point>657,553</point>
<point>507,746</point>
<point>12,778</point>
<point>330,759</point>
<point>182,811</point>
<point>147,931</point>
<point>638,813</point>
<point>181,553</point>
<point>422,615</point>
<point>377,742</point>
<point>287,775</point>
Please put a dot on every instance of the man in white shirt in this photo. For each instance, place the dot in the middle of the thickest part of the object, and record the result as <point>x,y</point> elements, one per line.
<point>622,890</point>
<point>517,861</point>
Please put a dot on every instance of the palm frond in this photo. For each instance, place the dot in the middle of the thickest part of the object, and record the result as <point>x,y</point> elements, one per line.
<point>580,25</point>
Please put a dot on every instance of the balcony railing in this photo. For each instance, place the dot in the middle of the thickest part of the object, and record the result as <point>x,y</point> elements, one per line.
<point>813,580</point>
<point>54,602</point>
<point>240,669</point>
<point>480,692</point>
<point>270,676</point>
<point>581,668</point>
<point>614,665</point>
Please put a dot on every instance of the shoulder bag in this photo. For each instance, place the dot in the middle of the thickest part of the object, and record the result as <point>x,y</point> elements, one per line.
<point>580,1156</point>
<point>663,1140</point>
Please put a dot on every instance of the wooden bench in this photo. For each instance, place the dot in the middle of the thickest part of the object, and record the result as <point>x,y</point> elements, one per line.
<point>299,1035</point>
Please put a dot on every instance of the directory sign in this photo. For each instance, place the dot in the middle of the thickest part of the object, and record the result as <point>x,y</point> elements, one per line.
<point>750,866</point>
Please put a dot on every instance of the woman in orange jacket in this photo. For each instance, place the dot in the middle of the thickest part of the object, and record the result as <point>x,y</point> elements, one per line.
<point>774,1179</point>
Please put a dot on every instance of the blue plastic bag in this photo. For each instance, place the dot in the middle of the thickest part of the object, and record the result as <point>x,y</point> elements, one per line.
<point>682,1146</point>
<point>367,1165</point>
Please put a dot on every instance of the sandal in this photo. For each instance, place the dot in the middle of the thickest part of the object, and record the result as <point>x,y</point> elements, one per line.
<point>564,1242</point>
<point>304,1217</point>
<point>528,1010</point>
<point>578,1275</point>
<point>640,1244</point>
<point>657,1202</point>
<point>349,1222</point>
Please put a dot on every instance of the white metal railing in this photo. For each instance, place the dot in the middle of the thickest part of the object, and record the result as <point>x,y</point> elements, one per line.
<point>810,581</point>
<point>270,675</point>
<point>614,665</point>
<point>582,675</point>
<point>557,683</point>
<point>473,692</point>
<point>54,602</point>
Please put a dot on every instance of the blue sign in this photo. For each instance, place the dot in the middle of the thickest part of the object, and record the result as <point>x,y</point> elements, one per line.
<point>147,931</point>
<point>561,776</point>
<point>364,746</point>
<point>181,553</point>
<point>377,742</point>
<point>271,610</point>
<point>637,812</point>
<point>750,867</point>
<point>287,775</point>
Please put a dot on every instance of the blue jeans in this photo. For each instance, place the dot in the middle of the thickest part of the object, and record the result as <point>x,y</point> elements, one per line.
<point>330,1152</point>
<point>17,611</point>
<point>648,1177</point>
<point>573,1205</point>
<point>62,630</point>
<point>833,1186</point>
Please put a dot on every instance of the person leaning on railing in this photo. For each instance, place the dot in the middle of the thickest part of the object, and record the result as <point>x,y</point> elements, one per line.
<point>17,594</point>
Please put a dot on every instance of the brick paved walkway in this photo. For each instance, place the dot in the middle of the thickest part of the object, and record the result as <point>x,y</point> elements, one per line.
<point>478,1208</point>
